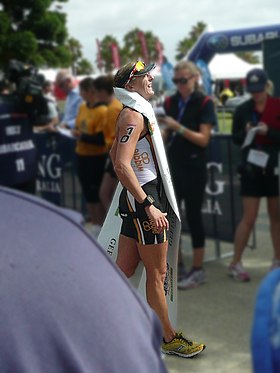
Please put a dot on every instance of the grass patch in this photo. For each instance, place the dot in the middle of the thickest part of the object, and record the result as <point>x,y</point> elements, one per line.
<point>225,122</point>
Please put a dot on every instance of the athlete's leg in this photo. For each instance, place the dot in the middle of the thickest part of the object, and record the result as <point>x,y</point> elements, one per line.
<point>154,259</point>
<point>128,257</point>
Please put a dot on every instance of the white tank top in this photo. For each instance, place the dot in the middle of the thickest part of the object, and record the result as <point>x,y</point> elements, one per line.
<point>143,163</point>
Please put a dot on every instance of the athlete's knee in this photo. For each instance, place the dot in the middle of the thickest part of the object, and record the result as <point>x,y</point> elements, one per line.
<point>128,270</point>
<point>157,274</point>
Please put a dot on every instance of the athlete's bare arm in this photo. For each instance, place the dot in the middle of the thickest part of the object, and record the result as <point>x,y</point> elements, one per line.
<point>130,126</point>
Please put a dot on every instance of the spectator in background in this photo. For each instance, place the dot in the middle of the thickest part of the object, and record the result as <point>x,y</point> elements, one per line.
<point>48,122</point>
<point>48,91</point>
<point>189,121</point>
<point>91,149</point>
<point>65,308</point>
<point>225,95</point>
<point>258,166</point>
<point>66,81</point>
<point>104,89</point>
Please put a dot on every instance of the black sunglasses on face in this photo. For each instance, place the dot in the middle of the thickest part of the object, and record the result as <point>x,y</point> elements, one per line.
<point>181,80</point>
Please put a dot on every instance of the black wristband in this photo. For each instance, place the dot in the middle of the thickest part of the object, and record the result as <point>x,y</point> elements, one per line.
<point>148,201</point>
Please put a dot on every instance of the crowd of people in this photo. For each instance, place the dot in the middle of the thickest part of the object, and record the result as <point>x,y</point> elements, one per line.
<point>109,131</point>
<point>91,111</point>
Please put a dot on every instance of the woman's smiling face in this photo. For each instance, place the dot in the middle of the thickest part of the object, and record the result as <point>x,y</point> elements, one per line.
<point>143,85</point>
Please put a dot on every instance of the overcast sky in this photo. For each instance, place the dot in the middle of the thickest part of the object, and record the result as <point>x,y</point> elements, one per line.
<point>171,21</point>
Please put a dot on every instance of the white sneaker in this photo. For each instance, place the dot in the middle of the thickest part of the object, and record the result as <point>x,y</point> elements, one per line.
<point>237,272</point>
<point>193,279</point>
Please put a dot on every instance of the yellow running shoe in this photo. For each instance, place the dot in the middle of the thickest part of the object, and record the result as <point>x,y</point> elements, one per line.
<point>181,346</point>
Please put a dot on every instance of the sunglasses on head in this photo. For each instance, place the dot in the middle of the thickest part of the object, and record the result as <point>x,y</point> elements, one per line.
<point>181,80</point>
<point>136,68</point>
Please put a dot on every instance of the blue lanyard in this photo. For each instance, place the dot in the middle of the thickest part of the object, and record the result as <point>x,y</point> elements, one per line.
<point>255,118</point>
<point>182,106</point>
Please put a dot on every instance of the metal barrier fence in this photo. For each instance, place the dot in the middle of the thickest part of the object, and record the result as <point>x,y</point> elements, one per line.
<point>222,208</point>
<point>57,182</point>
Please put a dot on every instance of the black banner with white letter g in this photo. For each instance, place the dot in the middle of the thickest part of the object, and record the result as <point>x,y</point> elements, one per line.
<point>222,207</point>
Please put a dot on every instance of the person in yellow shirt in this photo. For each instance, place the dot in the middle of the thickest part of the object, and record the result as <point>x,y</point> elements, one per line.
<point>91,149</point>
<point>104,88</point>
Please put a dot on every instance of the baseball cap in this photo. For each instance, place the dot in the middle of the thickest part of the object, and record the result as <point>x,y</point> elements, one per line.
<point>131,69</point>
<point>256,80</point>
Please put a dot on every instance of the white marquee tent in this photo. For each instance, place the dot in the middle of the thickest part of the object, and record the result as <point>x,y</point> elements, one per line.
<point>49,74</point>
<point>222,66</point>
<point>229,66</point>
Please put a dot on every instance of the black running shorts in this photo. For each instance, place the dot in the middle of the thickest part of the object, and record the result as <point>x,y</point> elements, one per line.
<point>136,224</point>
<point>256,182</point>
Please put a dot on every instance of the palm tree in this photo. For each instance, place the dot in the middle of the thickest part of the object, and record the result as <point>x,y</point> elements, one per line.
<point>186,44</point>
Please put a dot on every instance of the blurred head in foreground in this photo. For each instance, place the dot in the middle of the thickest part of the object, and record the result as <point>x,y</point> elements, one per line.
<point>64,305</point>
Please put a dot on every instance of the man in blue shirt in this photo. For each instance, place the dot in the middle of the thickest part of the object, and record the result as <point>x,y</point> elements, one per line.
<point>66,81</point>
<point>65,307</point>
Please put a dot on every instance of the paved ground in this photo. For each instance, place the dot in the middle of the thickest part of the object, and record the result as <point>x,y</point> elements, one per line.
<point>219,313</point>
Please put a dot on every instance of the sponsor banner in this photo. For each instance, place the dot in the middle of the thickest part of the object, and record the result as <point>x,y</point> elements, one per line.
<point>159,49</point>
<point>54,151</point>
<point>222,207</point>
<point>17,150</point>
<point>167,74</point>
<point>249,39</point>
<point>205,76</point>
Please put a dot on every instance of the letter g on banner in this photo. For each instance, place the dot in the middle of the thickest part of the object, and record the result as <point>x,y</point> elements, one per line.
<point>217,187</point>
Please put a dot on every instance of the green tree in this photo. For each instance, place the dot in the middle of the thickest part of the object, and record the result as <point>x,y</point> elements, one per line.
<point>186,44</point>
<point>133,50</point>
<point>34,32</point>
<point>80,65</point>
<point>84,67</point>
<point>106,52</point>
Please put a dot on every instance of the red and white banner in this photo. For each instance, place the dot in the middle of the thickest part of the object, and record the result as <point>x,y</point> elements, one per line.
<point>144,48</point>
<point>99,57</point>
<point>115,56</point>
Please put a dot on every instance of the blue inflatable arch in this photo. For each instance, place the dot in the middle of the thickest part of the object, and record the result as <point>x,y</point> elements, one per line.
<point>249,39</point>
<point>230,41</point>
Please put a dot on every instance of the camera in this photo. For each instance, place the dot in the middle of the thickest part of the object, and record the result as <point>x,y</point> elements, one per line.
<point>28,83</point>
